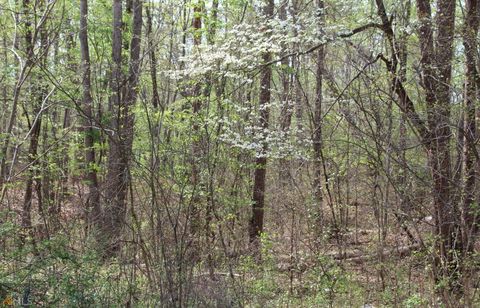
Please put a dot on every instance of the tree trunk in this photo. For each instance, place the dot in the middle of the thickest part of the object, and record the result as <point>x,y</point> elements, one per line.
<point>436,66</point>
<point>92,210</point>
<point>317,125</point>
<point>297,65</point>
<point>22,76</point>
<point>123,98</point>
<point>197,142</point>
<point>405,203</point>
<point>258,198</point>
<point>436,63</point>
<point>469,216</point>
<point>153,61</point>
<point>35,126</point>
<point>286,103</point>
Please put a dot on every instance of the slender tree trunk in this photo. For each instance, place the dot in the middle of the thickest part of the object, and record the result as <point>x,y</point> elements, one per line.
<point>6,63</point>
<point>197,142</point>
<point>447,216</point>
<point>286,103</point>
<point>93,211</point>
<point>124,97</point>
<point>258,198</point>
<point>22,76</point>
<point>211,209</point>
<point>213,22</point>
<point>469,209</point>
<point>286,76</point>
<point>32,155</point>
<point>317,125</point>
<point>436,65</point>
<point>117,175</point>
<point>153,61</point>
<point>297,65</point>
<point>34,129</point>
<point>405,203</point>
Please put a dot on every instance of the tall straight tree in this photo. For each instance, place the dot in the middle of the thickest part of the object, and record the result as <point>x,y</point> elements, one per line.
<point>152,58</point>
<point>93,210</point>
<point>317,121</point>
<point>258,198</point>
<point>124,95</point>
<point>436,64</point>
<point>286,101</point>
<point>470,33</point>
<point>405,202</point>
<point>38,94</point>
<point>196,108</point>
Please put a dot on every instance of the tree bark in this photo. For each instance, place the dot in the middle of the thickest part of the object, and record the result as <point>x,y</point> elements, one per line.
<point>446,217</point>
<point>287,107</point>
<point>469,216</point>
<point>258,197</point>
<point>153,61</point>
<point>286,76</point>
<point>35,125</point>
<point>120,152</point>
<point>436,64</point>
<point>405,202</point>
<point>197,142</point>
<point>317,125</point>
<point>297,64</point>
<point>93,210</point>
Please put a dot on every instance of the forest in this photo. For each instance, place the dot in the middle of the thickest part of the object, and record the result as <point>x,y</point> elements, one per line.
<point>239,153</point>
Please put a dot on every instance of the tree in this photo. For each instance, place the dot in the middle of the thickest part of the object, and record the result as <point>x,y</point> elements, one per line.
<point>436,60</point>
<point>39,97</point>
<point>196,109</point>
<point>470,154</point>
<point>260,171</point>
<point>124,95</point>
<point>180,170</point>
<point>93,210</point>
<point>317,122</point>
